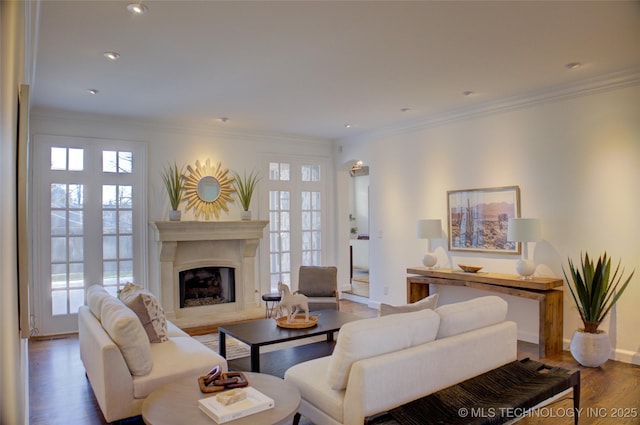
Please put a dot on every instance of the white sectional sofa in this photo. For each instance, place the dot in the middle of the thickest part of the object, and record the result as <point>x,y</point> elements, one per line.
<point>122,364</point>
<point>384,362</point>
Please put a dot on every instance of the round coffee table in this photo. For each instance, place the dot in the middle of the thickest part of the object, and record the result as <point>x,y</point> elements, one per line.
<point>177,403</point>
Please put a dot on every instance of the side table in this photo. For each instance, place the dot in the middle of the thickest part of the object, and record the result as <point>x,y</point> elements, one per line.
<point>177,403</point>
<point>273,298</point>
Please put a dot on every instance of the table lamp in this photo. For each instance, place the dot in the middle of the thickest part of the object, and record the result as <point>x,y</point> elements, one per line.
<point>524,230</point>
<point>429,229</point>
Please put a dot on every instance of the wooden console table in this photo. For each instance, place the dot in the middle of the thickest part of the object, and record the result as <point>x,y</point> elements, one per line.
<point>540,289</point>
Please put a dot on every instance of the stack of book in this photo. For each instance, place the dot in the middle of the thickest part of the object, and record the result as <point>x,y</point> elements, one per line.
<point>254,402</point>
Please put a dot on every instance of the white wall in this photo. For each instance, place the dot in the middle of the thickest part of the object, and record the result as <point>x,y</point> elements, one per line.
<point>577,163</point>
<point>235,152</point>
<point>13,350</point>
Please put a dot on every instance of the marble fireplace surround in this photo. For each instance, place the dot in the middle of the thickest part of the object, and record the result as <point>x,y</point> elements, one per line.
<point>186,245</point>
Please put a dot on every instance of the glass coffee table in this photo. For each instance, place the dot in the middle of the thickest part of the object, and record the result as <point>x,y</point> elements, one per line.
<point>259,333</point>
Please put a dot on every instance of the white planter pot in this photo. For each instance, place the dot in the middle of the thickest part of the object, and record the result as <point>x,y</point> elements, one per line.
<point>590,349</point>
<point>245,215</point>
<point>175,215</point>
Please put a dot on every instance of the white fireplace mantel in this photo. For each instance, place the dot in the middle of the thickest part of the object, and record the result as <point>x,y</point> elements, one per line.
<point>176,231</point>
<point>185,244</point>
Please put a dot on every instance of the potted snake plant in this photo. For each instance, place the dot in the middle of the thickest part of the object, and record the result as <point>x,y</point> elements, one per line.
<point>595,291</point>
<point>173,182</point>
<point>245,185</point>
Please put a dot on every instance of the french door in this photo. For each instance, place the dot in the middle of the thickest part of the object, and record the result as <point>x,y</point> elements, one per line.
<point>298,217</point>
<point>89,223</point>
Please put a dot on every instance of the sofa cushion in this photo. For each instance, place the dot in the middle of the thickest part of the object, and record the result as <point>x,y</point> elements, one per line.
<point>177,358</point>
<point>469,315</point>
<point>125,329</point>
<point>96,294</point>
<point>148,309</point>
<point>363,339</point>
<point>429,302</point>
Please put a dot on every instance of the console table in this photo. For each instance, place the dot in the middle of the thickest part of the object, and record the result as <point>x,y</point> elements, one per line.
<point>541,289</point>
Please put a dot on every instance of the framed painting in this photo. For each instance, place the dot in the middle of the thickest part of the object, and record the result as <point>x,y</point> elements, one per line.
<point>478,219</point>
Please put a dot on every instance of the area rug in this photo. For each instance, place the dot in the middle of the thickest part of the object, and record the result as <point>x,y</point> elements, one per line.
<point>238,349</point>
<point>235,349</point>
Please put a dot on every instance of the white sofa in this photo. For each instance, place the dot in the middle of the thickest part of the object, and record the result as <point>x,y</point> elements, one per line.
<point>122,365</point>
<point>384,362</point>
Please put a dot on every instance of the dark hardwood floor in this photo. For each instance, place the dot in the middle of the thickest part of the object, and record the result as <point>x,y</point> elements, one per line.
<point>60,393</point>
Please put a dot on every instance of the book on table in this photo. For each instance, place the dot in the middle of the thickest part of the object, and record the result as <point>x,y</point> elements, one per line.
<point>254,403</point>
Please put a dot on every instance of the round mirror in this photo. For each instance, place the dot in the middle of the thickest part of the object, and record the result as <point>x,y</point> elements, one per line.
<point>208,189</point>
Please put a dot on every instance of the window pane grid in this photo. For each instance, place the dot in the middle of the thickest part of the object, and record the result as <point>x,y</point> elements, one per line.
<point>311,225</point>
<point>117,236</point>
<point>279,236</point>
<point>66,236</point>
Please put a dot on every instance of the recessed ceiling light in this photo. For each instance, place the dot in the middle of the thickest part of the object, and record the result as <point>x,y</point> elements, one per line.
<point>223,119</point>
<point>137,8</point>
<point>468,93</point>
<point>111,55</point>
<point>405,109</point>
<point>348,125</point>
<point>92,91</point>
<point>573,65</point>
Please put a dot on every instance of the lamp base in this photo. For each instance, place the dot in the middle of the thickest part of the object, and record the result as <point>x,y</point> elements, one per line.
<point>429,260</point>
<point>525,268</point>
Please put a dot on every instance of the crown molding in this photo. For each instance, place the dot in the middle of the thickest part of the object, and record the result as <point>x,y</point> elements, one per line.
<point>581,88</point>
<point>177,127</point>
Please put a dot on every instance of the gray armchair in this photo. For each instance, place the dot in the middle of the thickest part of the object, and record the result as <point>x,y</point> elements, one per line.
<point>320,285</point>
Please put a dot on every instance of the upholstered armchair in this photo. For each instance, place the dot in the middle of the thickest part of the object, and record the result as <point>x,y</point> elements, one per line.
<point>320,285</point>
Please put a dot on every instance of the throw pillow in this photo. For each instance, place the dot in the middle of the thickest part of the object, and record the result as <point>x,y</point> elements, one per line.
<point>125,329</point>
<point>96,294</point>
<point>466,316</point>
<point>148,309</point>
<point>429,302</point>
<point>362,339</point>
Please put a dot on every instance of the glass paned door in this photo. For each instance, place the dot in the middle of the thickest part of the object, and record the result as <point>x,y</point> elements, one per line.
<point>89,200</point>
<point>296,218</point>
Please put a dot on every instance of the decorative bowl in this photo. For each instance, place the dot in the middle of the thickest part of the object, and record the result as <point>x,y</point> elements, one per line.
<point>469,268</point>
<point>298,322</point>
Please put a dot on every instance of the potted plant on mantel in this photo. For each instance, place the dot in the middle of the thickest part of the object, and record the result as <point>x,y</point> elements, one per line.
<point>173,182</point>
<point>595,291</point>
<point>245,185</point>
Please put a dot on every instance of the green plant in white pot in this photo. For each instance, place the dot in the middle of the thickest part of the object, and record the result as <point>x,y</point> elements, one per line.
<point>174,183</point>
<point>595,291</point>
<point>245,185</point>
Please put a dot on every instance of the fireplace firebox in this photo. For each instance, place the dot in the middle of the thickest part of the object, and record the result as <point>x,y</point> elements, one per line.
<point>207,286</point>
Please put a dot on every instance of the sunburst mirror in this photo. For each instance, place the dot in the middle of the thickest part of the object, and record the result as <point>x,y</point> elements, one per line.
<point>207,189</point>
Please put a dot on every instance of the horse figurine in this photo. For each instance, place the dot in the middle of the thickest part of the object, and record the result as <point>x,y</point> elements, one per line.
<point>293,303</point>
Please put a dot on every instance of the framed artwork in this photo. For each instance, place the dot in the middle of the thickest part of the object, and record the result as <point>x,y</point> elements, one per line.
<point>478,219</point>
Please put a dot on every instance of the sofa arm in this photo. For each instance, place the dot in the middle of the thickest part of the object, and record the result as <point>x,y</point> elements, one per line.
<point>105,367</point>
<point>380,383</point>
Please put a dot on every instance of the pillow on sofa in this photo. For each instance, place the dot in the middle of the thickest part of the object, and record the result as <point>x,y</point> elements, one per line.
<point>363,339</point>
<point>429,302</point>
<point>466,316</point>
<point>148,309</point>
<point>125,329</point>
<point>96,294</point>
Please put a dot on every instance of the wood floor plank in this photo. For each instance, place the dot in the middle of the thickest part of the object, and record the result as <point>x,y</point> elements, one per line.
<point>60,394</point>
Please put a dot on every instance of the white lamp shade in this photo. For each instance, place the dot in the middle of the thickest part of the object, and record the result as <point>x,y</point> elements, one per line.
<point>429,229</point>
<point>524,230</point>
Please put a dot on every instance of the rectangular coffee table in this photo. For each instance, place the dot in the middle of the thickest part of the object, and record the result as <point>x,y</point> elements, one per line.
<point>258,333</point>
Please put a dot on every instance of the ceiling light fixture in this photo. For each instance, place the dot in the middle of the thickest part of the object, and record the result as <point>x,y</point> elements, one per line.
<point>573,65</point>
<point>223,119</point>
<point>92,91</point>
<point>348,125</point>
<point>137,8</point>
<point>405,109</point>
<point>112,55</point>
<point>468,93</point>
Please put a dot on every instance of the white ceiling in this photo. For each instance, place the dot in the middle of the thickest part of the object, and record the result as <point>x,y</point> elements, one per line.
<point>310,67</point>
